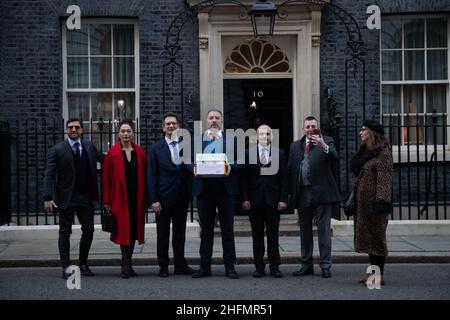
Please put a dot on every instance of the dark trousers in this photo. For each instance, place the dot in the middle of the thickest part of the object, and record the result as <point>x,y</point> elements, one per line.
<point>177,214</point>
<point>377,261</point>
<point>323,218</point>
<point>208,202</point>
<point>85,216</point>
<point>268,217</point>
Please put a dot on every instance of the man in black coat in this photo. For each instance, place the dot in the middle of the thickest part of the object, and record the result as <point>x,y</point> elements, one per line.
<point>314,191</point>
<point>70,186</point>
<point>265,194</point>
<point>216,195</point>
<point>169,188</point>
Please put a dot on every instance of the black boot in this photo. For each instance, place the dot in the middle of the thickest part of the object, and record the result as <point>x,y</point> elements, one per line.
<point>125,271</point>
<point>130,267</point>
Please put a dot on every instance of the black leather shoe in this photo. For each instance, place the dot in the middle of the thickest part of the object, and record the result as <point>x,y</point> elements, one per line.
<point>259,273</point>
<point>231,273</point>
<point>202,272</point>
<point>85,271</point>
<point>163,272</point>
<point>187,270</point>
<point>326,273</point>
<point>65,275</point>
<point>303,272</point>
<point>276,273</point>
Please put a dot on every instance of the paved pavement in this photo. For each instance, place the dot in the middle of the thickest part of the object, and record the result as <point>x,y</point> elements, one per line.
<point>39,248</point>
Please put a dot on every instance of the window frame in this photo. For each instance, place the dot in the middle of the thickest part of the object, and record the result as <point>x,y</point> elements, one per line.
<point>135,90</point>
<point>412,148</point>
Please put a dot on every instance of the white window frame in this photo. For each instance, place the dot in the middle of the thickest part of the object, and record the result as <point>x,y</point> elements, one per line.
<point>403,150</point>
<point>134,90</point>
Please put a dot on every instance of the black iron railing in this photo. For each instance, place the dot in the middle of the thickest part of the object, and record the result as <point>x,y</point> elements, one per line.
<point>419,147</point>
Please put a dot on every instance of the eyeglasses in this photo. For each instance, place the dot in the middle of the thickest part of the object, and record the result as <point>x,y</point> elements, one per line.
<point>74,127</point>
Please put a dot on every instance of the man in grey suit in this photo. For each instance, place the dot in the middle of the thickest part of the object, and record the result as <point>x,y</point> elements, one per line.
<point>70,186</point>
<point>314,191</point>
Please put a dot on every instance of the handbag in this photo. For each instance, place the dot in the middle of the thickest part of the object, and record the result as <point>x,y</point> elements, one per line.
<point>350,203</point>
<point>109,223</point>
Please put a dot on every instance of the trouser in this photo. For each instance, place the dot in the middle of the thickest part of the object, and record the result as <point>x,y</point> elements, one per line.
<point>208,202</point>
<point>85,216</point>
<point>323,218</point>
<point>177,214</point>
<point>264,216</point>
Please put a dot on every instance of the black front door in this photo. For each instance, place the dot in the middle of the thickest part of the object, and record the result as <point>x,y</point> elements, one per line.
<point>251,102</point>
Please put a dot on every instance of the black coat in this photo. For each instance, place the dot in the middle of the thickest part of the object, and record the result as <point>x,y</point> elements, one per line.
<point>268,189</point>
<point>323,183</point>
<point>60,173</point>
<point>167,183</point>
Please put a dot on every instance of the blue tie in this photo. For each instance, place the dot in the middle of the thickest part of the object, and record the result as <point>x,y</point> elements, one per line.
<point>76,149</point>
<point>175,156</point>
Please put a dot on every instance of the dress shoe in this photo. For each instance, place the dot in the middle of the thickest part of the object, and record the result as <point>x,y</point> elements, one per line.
<point>275,273</point>
<point>231,273</point>
<point>202,272</point>
<point>259,273</point>
<point>85,271</point>
<point>163,272</point>
<point>303,272</point>
<point>364,279</point>
<point>326,273</point>
<point>187,270</point>
<point>66,275</point>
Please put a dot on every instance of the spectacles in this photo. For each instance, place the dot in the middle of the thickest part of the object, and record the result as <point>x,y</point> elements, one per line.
<point>74,127</point>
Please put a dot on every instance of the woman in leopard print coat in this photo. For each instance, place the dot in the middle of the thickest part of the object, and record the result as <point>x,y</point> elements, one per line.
<point>373,162</point>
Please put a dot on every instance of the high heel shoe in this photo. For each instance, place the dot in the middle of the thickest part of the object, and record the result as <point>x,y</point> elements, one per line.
<point>364,279</point>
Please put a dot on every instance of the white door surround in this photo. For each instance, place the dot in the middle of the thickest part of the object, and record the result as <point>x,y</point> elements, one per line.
<point>220,30</point>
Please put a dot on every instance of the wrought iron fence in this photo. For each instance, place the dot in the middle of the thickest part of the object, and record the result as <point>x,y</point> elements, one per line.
<point>419,147</point>
<point>420,150</point>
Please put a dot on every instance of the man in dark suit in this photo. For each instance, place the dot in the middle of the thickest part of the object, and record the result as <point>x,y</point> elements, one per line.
<point>70,186</point>
<point>265,194</point>
<point>217,193</point>
<point>169,190</point>
<point>314,191</point>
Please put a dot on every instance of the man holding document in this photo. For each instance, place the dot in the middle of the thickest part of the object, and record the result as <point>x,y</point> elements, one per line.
<point>215,186</point>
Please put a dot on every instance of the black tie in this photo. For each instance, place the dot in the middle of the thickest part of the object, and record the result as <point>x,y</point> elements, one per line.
<point>76,145</point>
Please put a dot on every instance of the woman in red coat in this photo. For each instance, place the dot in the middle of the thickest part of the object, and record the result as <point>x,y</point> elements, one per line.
<point>125,194</point>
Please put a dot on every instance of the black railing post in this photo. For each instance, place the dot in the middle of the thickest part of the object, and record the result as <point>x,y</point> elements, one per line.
<point>444,167</point>
<point>191,131</point>
<point>101,125</point>
<point>434,118</point>
<point>5,168</point>
<point>36,176</point>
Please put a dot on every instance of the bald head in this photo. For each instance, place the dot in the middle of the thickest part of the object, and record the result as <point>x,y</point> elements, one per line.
<point>264,133</point>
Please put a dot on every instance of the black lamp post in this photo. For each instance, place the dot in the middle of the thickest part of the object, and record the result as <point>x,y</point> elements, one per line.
<point>263,18</point>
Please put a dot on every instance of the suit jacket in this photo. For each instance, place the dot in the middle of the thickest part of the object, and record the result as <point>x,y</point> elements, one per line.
<point>230,182</point>
<point>268,189</point>
<point>115,192</point>
<point>59,176</point>
<point>167,183</point>
<point>323,184</point>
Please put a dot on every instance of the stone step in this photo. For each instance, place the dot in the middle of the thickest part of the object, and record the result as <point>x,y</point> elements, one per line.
<point>288,227</point>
